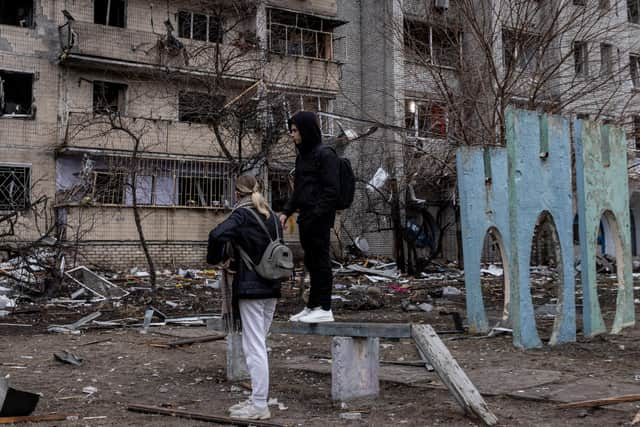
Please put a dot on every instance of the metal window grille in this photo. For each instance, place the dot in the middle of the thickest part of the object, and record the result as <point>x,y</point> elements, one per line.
<point>165,182</point>
<point>15,184</point>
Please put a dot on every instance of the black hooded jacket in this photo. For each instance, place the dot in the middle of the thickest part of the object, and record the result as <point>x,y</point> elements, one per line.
<point>316,180</point>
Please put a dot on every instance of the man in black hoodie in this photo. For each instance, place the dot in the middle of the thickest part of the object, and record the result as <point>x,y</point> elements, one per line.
<point>315,196</point>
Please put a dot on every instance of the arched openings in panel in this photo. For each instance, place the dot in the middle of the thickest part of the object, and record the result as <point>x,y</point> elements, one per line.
<point>609,266</point>
<point>546,275</point>
<point>495,278</point>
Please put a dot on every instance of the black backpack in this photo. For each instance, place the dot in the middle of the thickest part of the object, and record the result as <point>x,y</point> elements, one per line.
<point>347,182</point>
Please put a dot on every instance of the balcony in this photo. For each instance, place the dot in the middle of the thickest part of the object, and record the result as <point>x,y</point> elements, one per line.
<point>89,131</point>
<point>91,45</point>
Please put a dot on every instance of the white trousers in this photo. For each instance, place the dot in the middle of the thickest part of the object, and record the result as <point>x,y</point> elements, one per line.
<point>257,315</point>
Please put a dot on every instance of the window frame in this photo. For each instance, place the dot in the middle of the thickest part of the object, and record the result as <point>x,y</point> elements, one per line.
<point>428,46</point>
<point>30,114</point>
<point>634,70</point>
<point>321,39</point>
<point>29,17</point>
<point>219,39</point>
<point>413,124</point>
<point>122,103</point>
<point>581,68</point>
<point>25,199</point>
<point>108,14</point>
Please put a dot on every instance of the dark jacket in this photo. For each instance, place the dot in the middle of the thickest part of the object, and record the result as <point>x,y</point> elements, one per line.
<point>316,180</point>
<point>242,229</point>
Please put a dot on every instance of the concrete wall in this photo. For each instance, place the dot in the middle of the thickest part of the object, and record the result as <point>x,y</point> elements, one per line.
<point>601,165</point>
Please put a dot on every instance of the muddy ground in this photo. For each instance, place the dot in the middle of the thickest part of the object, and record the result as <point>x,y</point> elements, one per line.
<point>522,388</point>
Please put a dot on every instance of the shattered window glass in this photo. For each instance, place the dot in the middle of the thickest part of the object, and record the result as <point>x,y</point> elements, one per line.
<point>109,97</point>
<point>108,188</point>
<point>199,27</point>
<point>14,187</point>
<point>184,25</point>
<point>17,13</point>
<point>110,12</point>
<point>16,94</point>
<point>297,34</point>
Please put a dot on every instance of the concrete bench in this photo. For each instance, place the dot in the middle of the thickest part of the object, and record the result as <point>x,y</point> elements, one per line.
<point>355,350</point>
<point>355,354</point>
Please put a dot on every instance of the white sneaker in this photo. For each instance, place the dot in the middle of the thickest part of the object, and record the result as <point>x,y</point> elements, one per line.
<point>297,316</point>
<point>252,412</point>
<point>317,315</point>
<point>239,406</point>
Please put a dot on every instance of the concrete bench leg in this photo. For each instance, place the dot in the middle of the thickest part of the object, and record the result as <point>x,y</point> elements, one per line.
<point>354,372</point>
<point>236,364</point>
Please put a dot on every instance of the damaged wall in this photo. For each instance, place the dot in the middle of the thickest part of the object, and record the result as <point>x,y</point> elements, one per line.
<point>513,187</point>
<point>603,194</point>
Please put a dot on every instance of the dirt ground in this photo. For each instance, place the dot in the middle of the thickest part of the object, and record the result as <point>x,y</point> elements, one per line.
<point>522,388</point>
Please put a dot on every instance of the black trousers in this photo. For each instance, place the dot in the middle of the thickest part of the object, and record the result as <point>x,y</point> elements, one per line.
<point>315,241</point>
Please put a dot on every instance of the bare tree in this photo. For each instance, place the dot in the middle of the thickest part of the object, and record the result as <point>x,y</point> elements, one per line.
<point>465,65</point>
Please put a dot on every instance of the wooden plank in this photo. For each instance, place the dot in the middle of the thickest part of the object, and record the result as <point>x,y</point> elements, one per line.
<point>196,340</point>
<point>451,374</point>
<point>34,418</point>
<point>601,402</point>
<point>147,409</point>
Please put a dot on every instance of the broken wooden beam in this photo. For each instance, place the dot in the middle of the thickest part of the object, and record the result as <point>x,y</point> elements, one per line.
<point>451,374</point>
<point>601,402</point>
<point>196,340</point>
<point>147,409</point>
<point>34,418</point>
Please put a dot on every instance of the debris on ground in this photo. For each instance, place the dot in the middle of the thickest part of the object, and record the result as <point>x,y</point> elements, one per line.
<point>65,356</point>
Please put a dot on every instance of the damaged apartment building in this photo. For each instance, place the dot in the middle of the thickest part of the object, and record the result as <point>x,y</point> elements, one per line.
<point>110,103</point>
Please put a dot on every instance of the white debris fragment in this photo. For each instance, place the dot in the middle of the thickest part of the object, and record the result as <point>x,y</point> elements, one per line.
<point>493,270</point>
<point>90,390</point>
<point>378,180</point>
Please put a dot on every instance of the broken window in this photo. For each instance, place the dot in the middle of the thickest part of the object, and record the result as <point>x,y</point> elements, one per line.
<point>16,94</point>
<point>438,45</point>
<point>297,34</point>
<point>606,60</point>
<point>636,132</point>
<point>109,188</point>
<point>297,102</point>
<point>109,97</point>
<point>15,184</point>
<point>110,12</point>
<point>581,58</point>
<point>197,107</point>
<point>280,189</point>
<point>633,11</point>
<point>198,191</point>
<point>164,182</point>
<point>17,13</point>
<point>520,49</point>
<point>198,26</point>
<point>426,119</point>
<point>634,69</point>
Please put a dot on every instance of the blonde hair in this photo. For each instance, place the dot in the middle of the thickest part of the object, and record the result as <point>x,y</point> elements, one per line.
<point>248,185</point>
